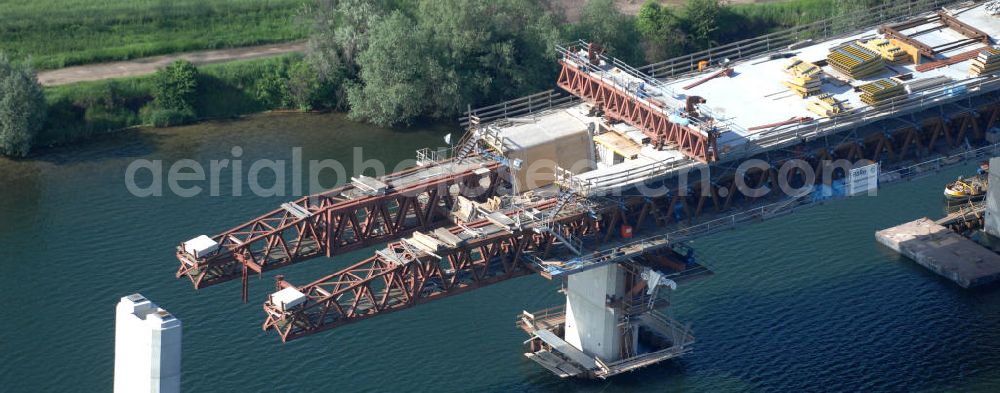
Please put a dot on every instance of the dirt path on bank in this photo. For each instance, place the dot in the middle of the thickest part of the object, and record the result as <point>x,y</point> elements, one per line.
<point>149,65</point>
<point>628,7</point>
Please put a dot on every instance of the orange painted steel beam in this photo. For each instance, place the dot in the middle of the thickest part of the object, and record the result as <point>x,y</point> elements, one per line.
<point>723,72</point>
<point>804,119</point>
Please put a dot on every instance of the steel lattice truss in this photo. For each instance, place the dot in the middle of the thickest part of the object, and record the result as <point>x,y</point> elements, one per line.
<point>379,284</point>
<point>653,121</point>
<point>401,276</point>
<point>334,224</point>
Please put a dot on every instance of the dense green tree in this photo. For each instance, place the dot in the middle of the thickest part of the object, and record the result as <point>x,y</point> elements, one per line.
<point>702,17</point>
<point>340,30</point>
<point>662,31</point>
<point>305,90</point>
<point>489,51</point>
<point>22,107</point>
<point>272,88</point>
<point>451,53</point>
<point>397,78</point>
<point>175,85</point>
<point>174,91</point>
<point>602,23</point>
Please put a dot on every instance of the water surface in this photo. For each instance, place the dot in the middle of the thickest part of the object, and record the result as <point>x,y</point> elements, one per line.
<point>804,302</point>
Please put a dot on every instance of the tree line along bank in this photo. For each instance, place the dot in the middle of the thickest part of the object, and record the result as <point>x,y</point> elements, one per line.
<point>389,62</point>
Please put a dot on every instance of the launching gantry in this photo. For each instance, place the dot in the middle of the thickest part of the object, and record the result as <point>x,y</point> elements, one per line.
<point>549,183</point>
<point>480,217</point>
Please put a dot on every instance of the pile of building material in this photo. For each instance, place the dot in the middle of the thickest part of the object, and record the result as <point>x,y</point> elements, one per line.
<point>465,209</point>
<point>889,52</point>
<point>855,61</point>
<point>425,242</point>
<point>881,91</point>
<point>987,62</point>
<point>805,78</point>
<point>439,240</point>
<point>916,85</point>
<point>993,8</point>
<point>949,60</point>
<point>827,105</point>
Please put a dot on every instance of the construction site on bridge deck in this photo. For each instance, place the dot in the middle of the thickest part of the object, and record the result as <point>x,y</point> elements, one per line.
<point>603,188</point>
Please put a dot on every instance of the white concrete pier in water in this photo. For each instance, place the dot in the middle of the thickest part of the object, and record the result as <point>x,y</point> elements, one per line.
<point>147,347</point>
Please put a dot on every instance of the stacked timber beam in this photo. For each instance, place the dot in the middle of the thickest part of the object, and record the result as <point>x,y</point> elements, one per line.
<point>893,32</point>
<point>881,91</point>
<point>804,78</point>
<point>891,53</point>
<point>855,61</point>
<point>987,62</point>
<point>826,105</point>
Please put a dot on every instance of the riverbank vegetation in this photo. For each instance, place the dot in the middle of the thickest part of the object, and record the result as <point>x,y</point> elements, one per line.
<point>59,33</point>
<point>22,107</point>
<point>396,62</point>
<point>82,110</point>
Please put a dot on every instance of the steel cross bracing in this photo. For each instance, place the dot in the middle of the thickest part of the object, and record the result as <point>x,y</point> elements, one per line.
<point>399,276</point>
<point>402,275</point>
<point>337,221</point>
<point>625,106</point>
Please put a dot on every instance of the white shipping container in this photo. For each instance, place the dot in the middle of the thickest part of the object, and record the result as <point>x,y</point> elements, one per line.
<point>200,246</point>
<point>287,298</point>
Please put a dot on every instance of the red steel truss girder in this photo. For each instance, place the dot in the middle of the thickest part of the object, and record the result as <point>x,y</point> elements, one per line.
<point>652,121</point>
<point>376,285</point>
<point>337,225</point>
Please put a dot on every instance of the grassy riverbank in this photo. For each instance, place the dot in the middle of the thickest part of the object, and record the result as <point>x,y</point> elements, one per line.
<point>58,33</point>
<point>82,110</point>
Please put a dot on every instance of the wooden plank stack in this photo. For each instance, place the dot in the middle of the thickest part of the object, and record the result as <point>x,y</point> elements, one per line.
<point>826,105</point>
<point>912,52</point>
<point>804,78</point>
<point>855,61</point>
<point>892,54</point>
<point>987,62</point>
<point>881,91</point>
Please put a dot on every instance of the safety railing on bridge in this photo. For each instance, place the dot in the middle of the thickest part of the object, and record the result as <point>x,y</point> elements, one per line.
<point>531,320</point>
<point>888,12</point>
<point>598,185</point>
<point>803,132</point>
<point>523,108</point>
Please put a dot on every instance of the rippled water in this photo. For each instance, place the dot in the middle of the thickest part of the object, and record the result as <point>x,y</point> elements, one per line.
<point>805,302</point>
